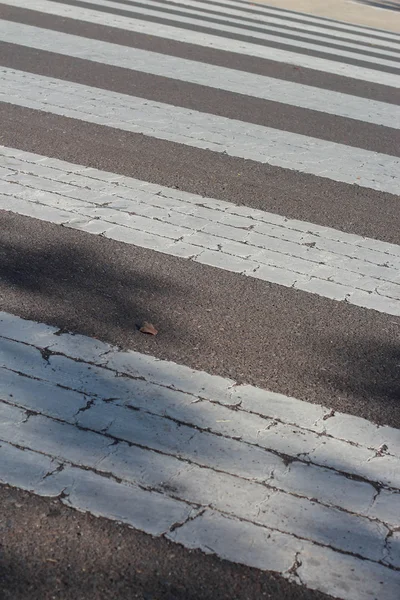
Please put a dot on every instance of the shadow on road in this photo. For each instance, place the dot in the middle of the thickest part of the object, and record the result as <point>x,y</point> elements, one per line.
<point>75,556</point>
<point>294,343</point>
<point>150,449</point>
<point>76,287</point>
<point>350,373</point>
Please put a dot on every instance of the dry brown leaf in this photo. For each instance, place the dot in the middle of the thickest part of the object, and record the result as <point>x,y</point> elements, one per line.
<point>148,328</point>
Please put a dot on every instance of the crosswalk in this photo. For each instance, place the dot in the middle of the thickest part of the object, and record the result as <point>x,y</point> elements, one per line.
<point>228,171</point>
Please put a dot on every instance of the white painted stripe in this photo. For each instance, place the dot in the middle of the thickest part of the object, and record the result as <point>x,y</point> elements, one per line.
<point>213,41</point>
<point>267,37</point>
<point>322,33</point>
<point>296,254</point>
<point>202,130</point>
<point>258,86</point>
<point>289,17</point>
<point>303,508</point>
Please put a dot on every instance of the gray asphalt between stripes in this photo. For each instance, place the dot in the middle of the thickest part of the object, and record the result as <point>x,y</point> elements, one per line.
<point>74,556</point>
<point>203,99</point>
<point>347,207</point>
<point>299,344</point>
<point>202,54</point>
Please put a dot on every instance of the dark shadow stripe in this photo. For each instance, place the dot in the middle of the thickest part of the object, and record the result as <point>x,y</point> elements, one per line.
<point>262,28</point>
<point>284,340</point>
<point>307,197</point>
<point>204,99</point>
<point>227,35</point>
<point>232,60</point>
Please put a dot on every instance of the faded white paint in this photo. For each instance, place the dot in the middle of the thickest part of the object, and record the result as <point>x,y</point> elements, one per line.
<point>239,82</point>
<point>292,253</point>
<point>266,145</point>
<point>221,28</point>
<point>323,32</point>
<point>286,13</point>
<point>211,41</point>
<point>200,471</point>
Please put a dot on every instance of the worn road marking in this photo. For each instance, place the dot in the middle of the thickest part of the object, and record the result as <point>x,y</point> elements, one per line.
<point>200,459</point>
<point>257,86</point>
<point>308,257</point>
<point>275,14</point>
<point>266,145</point>
<point>312,25</point>
<point>288,34</point>
<point>211,41</point>
<point>226,27</point>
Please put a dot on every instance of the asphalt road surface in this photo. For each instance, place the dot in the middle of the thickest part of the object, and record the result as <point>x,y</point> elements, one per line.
<point>226,173</point>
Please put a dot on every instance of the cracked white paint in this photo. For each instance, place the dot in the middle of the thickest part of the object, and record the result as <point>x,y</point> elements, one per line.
<point>300,561</point>
<point>268,488</point>
<point>266,246</point>
<point>236,138</point>
<point>239,82</point>
<point>214,41</point>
